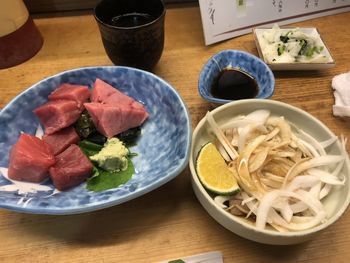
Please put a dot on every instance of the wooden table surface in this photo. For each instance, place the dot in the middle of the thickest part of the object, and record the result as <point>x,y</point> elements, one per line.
<point>168,222</point>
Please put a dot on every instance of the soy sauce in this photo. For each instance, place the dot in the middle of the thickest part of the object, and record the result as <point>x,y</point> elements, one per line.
<point>131,20</point>
<point>233,84</point>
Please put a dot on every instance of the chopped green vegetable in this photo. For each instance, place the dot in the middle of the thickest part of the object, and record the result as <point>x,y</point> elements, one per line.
<point>176,261</point>
<point>84,125</point>
<point>303,44</point>
<point>89,148</point>
<point>130,136</point>
<point>97,138</point>
<point>284,39</point>
<point>310,51</point>
<point>281,49</point>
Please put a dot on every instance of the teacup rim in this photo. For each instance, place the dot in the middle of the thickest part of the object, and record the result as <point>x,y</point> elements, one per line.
<point>161,16</point>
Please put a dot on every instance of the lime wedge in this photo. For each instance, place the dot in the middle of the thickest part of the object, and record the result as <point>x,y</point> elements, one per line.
<point>213,172</point>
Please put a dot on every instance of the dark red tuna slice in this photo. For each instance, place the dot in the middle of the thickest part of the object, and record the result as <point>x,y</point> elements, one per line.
<point>112,120</point>
<point>67,91</point>
<point>58,114</point>
<point>30,159</point>
<point>62,139</point>
<point>72,168</point>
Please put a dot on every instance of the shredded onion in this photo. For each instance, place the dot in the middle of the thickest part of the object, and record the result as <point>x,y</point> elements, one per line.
<point>283,171</point>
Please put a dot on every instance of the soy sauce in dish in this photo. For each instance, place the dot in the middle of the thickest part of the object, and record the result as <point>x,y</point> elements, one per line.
<point>234,84</point>
<point>131,20</point>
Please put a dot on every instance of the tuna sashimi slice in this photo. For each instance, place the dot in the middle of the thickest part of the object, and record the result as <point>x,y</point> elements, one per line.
<point>112,120</point>
<point>101,91</point>
<point>30,159</point>
<point>67,91</point>
<point>62,139</point>
<point>120,99</point>
<point>58,114</point>
<point>72,168</point>
<point>107,94</point>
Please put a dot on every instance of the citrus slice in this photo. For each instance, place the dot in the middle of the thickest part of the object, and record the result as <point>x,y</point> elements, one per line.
<point>213,172</point>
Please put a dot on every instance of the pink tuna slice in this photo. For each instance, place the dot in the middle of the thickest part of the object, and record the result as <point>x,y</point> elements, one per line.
<point>101,91</point>
<point>58,114</point>
<point>112,120</point>
<point>105,93</point>
<point>72,168</point>
<point>62,139</point>
<point>30,159</point>
<point>67,91</point>
<point>120,99</point>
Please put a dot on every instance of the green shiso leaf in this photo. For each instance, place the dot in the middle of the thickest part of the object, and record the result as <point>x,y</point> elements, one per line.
<point>107,180</point>
<point>103,180</point>
<point>89,148</point>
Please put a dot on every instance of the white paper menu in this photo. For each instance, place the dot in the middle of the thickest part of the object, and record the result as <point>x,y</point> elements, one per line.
<point>223,19</point>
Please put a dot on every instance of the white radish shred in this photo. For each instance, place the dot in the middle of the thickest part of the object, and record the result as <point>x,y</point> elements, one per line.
<point>223,140</point>
<point>283,171</point>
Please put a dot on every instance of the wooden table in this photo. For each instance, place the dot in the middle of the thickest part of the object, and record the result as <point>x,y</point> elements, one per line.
<point>168,222</point>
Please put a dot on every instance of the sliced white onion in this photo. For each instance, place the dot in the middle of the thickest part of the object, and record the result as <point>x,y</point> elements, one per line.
<point>221,137</point>
<point>313,142</point>
<point>266,213</point>
<point>326,177</point>
<point>223,152</point>
<point>329,142</point>
<point>220,200</point>
<point>302,181</point>
<point>258,116</point>
<point>310,147</point>
<point>325,191</point>
<point>315,162</point>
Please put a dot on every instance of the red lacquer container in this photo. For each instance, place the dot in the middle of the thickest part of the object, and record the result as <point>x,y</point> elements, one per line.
<point>19,37</point>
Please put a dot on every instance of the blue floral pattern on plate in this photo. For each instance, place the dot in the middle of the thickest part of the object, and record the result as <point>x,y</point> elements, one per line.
<point>163,147</point>
<point>236,59</point>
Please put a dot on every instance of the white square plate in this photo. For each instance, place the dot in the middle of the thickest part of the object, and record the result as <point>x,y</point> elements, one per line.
<point>257,32</point>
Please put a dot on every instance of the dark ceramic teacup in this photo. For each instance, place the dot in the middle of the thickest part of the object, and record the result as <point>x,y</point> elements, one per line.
<point>132,31</point>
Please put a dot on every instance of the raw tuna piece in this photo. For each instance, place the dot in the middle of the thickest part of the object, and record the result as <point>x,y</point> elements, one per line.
<point>120,99</point>
<point>112,120</point>
<point>101,91</point>
<point>105,93</point>
<point>30,159</point>
<point>72,168</point>
<point>58,114</point>
<point>61,140</point>
<point>67,91</point>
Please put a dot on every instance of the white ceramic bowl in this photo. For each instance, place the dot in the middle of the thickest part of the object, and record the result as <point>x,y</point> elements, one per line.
<point>335,203</point>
